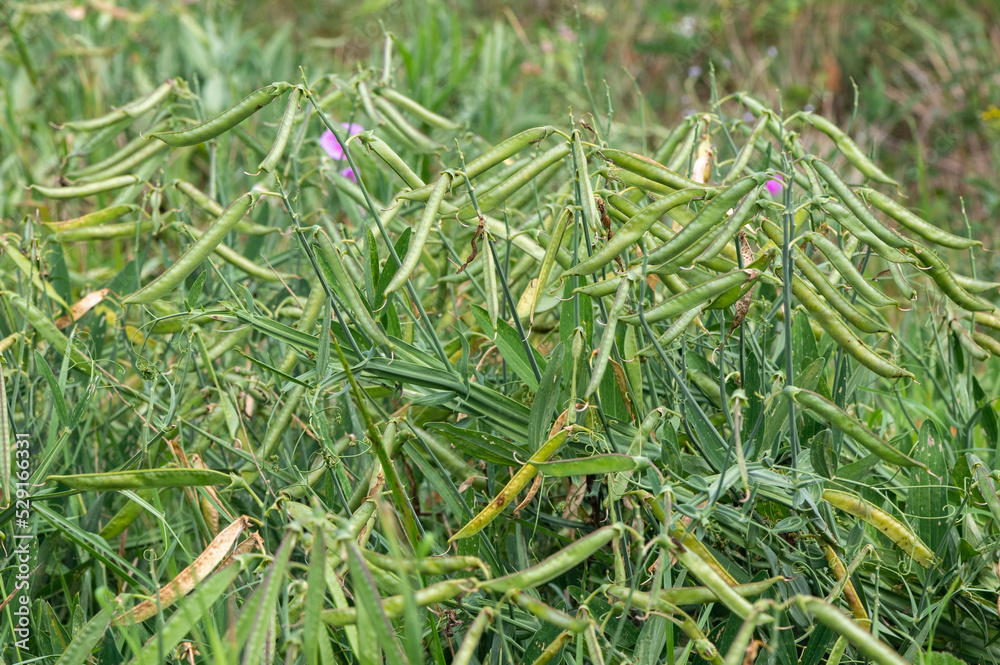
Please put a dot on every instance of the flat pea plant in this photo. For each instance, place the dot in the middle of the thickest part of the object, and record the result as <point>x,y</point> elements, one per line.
<point>389,392</point>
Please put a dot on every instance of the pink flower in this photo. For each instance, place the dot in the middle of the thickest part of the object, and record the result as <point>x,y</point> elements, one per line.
<point>775,187</point>
<point>349,174</point>
<point>329,142</point>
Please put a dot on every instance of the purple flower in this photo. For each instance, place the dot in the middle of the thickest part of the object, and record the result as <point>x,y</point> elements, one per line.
<point>349,174</point>
<point>775,187</point>
<point>329,142</point>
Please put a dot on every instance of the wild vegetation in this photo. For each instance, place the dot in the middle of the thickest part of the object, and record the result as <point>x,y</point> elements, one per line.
<point>355,365</point>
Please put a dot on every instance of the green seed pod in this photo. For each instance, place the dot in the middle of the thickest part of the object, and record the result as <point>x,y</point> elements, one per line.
<point>226,120</point>
<point>698,295</point>
<point>854,204</point>
<point>214,208</point>
<point>846,268</point>
<point>395,121</point>
<point>88,189</point>
<point>420,234</point>
<point>938,271</point>
<point>284,131</point>
<point>892,528</point>
<point>922,228</point>
<point>417,110</point>
<point>496,196</point>
<point>830,412</point>
<point>127,165</point>
<point>132,110</point>
<point>848,221</point>
<point>94,218</point>
<point>675,330</point>
<point>196,253</point>
<point>849,149</point>
<point>608,340</point>
<point>647,168</point>
<point>105,232</point>
<point>141,479</point>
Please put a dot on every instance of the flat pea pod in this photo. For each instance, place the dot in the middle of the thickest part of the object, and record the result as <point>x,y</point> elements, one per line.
<point>127,165</point>
<point>758,109</point>
<point>142,479</point>
<point>705,221</point>
<point>922,228</point>
<point>214,208</point>
<point>830,293</point>
<point>125,516</point>
<point>847,220</point>
<point>420,233</point>
<point>988,319</point>
<point>46,328</point>
<point>284,132</point>
<point>133,109</point>
<point>697,295</point>
<point>226,120</point>
<point>892,528</point>
<point>472,637</point>
<point>907,291</point>
<point>938,271</point>
<point>987,342</point>
<point>356,308</point>
<point>854,204</point>
<point>428,565</point>
<point>849,149</point>
<point>586,191</point>
<point>89,189</point>
<point>237,260</point>
<point>517,483</point>
<point>677,134</point>
<point>606,287</point>
<point>647,168</point>
<point>99,217</point>
<point>417,110</point>
<point>846,268</point>
<point>707,575</point>
<point>685,595</point>
<point>396,122</point>
<point>743,156</point>
<point>495,155</point>
<point>391,159</point>
<point>842,335</point>
<point>196,253</point>
<point>117,157</point>
<point>849,629</point>
<point>736,221</point>
<point>608,339</point>
<point>634,229</point>
<point>967,342</point>
<point>562,561</point>
<point>104,231</point>
<point>501,192</point>
<point>973,285</point>
<point>675,330</point>
<point>854,428</point>
<point>548,614</point>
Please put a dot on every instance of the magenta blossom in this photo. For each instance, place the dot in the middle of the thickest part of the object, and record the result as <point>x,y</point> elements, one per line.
<point>349,174</point>
<point>329,142</point>
<point>776,186</point>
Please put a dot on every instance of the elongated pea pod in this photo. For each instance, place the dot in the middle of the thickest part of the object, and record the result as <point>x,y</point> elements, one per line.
<point>608,340</point>
<point>391,159</point>
<point>472,637</point>
<point>143,478</point>
<point>987,342</point>
<point>548,614</point>
<point>706,221</point>
<point>284,131</point>
<point>830,293</point>
<point>397,123</point>
<point>848,221</point>
<point>429,565</point>
<point>213,207</point>
<point>922,228</point>
<point>417,110</point>
<point>852,427</point>
<point>46,328</point>
<point>685,595</point>
<point>966,341</point>
<point>705,574</point>
<point>675,330</point>
<point>973,285</point>
<point>96,218</point>
<point>677,134</point>
<point>105,232</point>
<point>634,229</point>
<point>849,149</point>
<point>856,206</point>
<point>89,189</point>
<point>698,295</point>
<point>356,308</point>
<point>649,169</point>
<point>846,268</point>
<point>393,606</point>
<point>842,624</point>
<point>842,335</point>
<point>743,214</point>
<point>124,517</point>
<point>563,220</point>
<point>420,234</point>
<point>606,287</point>
<point>491,286</point>
<point>496,196</point>
<point>892,528</point>
<point>899,279</point>
<point>226,120</point>
<point>562,561</point>
<point>938,271</point>
<point>743,156</point>
<point>118,157</point>
<point>237,260</point>
<point>517,483</point>
<point>133,109</point>
<point>127,165</point>
<point>587,204</point>
<point>196,253</point>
